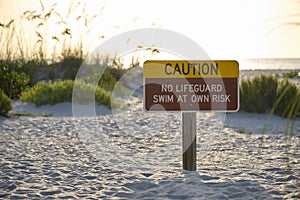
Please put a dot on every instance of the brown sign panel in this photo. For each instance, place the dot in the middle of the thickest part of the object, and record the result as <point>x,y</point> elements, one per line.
<point>191,94</point>
<point>195,85</point>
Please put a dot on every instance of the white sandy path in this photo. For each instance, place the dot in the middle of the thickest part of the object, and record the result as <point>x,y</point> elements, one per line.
<point>57,110</point>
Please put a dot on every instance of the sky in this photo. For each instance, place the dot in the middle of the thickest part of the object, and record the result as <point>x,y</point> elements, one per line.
<point>230,29</point>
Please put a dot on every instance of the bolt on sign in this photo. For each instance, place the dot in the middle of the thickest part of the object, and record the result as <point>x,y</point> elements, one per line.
<point>197,85</point>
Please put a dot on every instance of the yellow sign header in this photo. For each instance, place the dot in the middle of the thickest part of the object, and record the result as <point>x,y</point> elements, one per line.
<point>191,69</point>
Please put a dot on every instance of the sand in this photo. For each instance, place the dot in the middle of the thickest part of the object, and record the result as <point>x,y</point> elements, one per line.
<point>57,110</point>
<point>137,155</point>
<point>55,157</point>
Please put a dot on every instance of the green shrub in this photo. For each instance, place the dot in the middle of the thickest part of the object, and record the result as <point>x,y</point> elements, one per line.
<point>291,74</point>
<point>61,91</point>
<point>48,93</point>
<point>102,96</point>
<point>12,82</point>
<point>32,68</point>
<point>258,94</point>
<point>267,93</point>
<point>288,97</point>
<point>5,104</point>
<point>70,66</point>
<point>117,72</point>
<point>107,81</point>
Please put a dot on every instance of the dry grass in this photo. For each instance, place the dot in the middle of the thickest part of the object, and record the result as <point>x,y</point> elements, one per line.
<point>52,33</point>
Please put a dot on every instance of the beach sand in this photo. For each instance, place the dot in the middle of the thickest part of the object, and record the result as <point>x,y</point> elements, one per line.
<point>69,158</point>
<point>137,155</point>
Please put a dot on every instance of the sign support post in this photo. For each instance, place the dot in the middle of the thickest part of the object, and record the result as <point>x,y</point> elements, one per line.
<point>190,87</point>
<point>189,138</point>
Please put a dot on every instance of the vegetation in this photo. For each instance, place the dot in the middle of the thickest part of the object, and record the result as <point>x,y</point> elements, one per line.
<point>5,104</point>
<point>266,93</point>
<point>53,53</point>
<point>258,94</point>
<point>28,114</point>
<point>244,131</point>
<point>53,57</point>
<point>61,91</point>
<point>292,74</point>
<point>12,83</point>
<point>288,97</point>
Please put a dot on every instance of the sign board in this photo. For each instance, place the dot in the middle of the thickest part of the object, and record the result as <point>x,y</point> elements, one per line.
<point>197,85</point>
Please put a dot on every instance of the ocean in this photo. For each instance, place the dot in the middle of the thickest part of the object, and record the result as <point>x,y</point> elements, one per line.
<point>270,64</point>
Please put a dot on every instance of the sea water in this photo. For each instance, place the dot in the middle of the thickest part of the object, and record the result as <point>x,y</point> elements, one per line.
<point>270,64</point>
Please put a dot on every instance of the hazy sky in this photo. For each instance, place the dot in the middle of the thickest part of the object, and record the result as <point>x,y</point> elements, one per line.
<point>228,29</point>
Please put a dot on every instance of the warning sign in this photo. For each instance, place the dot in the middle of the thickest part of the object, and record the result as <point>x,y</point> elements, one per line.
<point>191,85</point>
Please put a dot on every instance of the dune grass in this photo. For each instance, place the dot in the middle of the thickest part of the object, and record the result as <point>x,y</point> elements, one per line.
<point>62,91</point>
<point>5,104</point>
<point>268,93</point>
<point>292,74</point>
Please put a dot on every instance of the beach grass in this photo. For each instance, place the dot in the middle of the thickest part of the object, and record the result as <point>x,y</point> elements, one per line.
<point>269,94</point>
<point>292,74</point>
<point>46,38</point>
<point>62,91</point>
<point>5,104</point>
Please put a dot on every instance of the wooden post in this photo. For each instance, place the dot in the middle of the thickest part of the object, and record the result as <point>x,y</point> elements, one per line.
<point>189,141</point>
